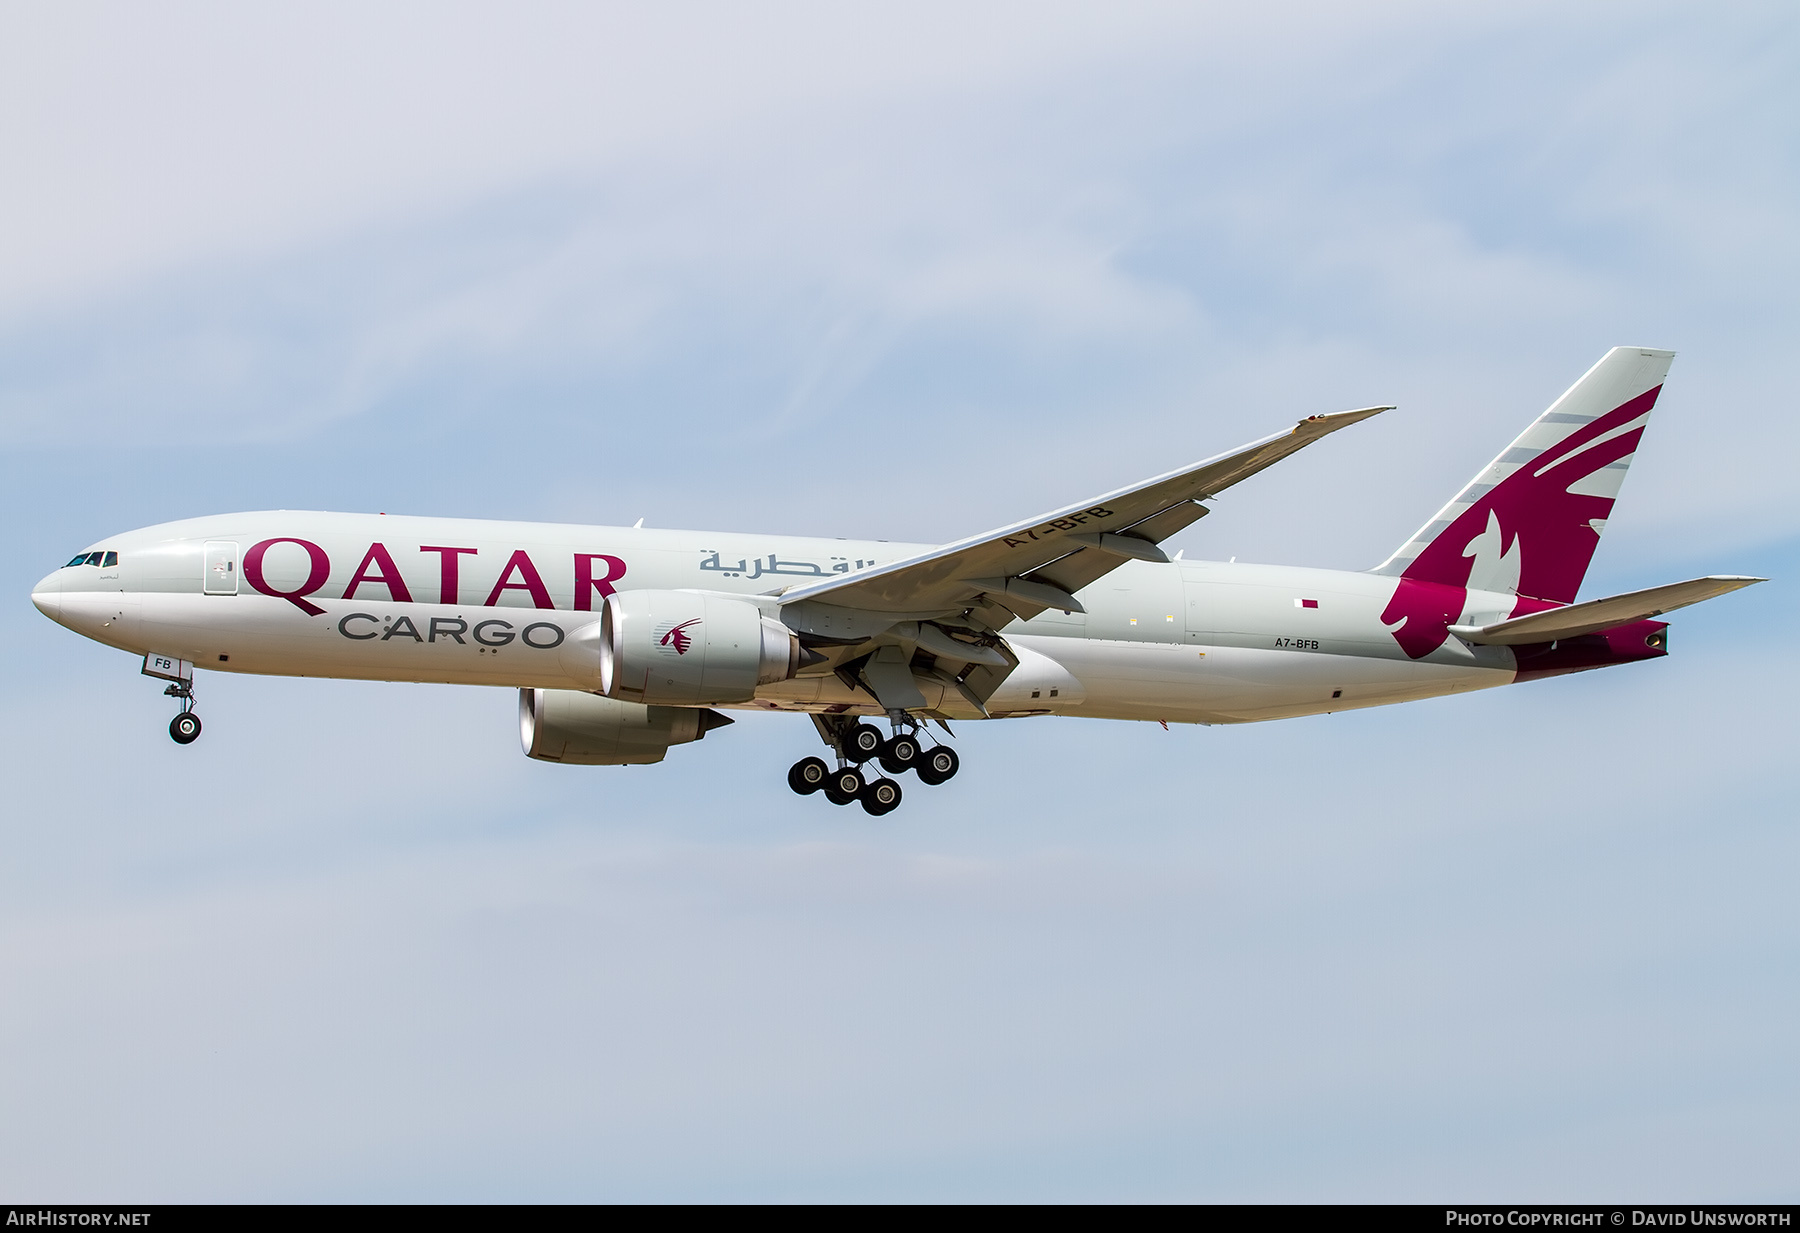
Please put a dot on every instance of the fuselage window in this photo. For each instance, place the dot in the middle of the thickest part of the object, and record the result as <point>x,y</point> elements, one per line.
<point>112,559</point>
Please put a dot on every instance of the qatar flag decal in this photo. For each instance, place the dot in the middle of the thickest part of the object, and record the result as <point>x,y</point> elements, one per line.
<point>1306,603</point>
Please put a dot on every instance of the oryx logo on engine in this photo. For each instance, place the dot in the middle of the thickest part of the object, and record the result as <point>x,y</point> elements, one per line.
<point>677,637</point>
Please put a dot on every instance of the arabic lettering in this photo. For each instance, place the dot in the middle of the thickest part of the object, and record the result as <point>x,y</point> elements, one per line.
<point>746,567</point>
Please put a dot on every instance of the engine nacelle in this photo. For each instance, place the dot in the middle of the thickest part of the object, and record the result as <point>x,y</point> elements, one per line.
<point>566,725</point>
<point>682,648</point>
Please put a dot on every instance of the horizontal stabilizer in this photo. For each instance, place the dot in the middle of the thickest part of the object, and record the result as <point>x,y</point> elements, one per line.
<point>1598,614</point>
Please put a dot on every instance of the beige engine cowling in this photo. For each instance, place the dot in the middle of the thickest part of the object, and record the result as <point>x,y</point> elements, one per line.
<point>683,648</point>
<point>566,725</point>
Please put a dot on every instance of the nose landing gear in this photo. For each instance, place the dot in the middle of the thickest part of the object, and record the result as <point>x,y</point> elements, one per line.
<point>855,743</point>
<point>185,727</point>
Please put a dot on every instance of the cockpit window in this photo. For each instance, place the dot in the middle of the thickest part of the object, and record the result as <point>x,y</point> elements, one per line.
<point>95,558</point>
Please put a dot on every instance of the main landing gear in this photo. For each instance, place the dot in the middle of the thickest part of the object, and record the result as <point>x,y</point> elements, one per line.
<point>185,727</point>
<point>856,743</point>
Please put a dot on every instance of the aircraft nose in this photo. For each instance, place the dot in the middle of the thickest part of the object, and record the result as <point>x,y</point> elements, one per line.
<point>47,595</point>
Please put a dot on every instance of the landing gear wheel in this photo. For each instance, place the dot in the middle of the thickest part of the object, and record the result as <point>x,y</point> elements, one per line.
<point>861,742</point>
<point>900,754</point>
<point>939,763</point>
<point>882,796</point>
<point>185,728</point>
<point>808,775</point>
<point>844,786</point>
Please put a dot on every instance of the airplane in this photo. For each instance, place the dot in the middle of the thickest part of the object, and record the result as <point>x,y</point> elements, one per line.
<point>626,641</point>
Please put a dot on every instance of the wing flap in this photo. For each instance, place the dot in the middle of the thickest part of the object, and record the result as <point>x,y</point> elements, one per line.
<point>1164,523</point>
<point>1598,614</point>
<point>1078,569</point>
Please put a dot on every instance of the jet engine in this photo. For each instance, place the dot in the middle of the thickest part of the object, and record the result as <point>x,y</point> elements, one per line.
<point>566,725</point>
<point>683,648</point>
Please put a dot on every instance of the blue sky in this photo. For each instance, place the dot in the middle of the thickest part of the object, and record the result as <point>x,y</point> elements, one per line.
<point>904,272</point>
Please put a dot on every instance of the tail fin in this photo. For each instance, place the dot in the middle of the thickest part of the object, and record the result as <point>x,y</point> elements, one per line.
<point>1529,523</point>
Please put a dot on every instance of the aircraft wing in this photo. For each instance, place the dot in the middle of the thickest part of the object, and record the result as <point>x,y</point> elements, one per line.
<point>1023,569</point>
<point>1599,614</point>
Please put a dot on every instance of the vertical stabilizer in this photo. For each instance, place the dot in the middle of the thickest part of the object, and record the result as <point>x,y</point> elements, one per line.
<point>1529,523</point>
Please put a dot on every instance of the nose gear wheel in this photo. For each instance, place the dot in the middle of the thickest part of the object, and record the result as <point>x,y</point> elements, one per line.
<point>184,729</point>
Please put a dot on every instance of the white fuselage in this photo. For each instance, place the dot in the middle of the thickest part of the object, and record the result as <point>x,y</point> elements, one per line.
<point>460,601</point>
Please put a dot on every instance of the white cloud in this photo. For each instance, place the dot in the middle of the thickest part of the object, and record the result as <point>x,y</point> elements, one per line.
<point>1194,232</point>
<point>135,140</point>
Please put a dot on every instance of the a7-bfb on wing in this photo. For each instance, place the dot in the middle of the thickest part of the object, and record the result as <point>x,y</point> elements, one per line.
<point>952,601</point>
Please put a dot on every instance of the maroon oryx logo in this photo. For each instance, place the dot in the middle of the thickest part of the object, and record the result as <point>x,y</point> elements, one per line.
<point>678,637</point>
